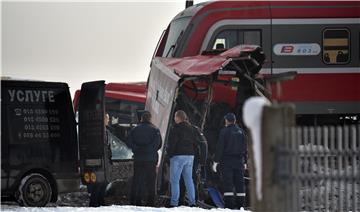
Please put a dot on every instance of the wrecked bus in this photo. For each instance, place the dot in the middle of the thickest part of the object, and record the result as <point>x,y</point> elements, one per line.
<point>206,87</point>
<point>39,149</point>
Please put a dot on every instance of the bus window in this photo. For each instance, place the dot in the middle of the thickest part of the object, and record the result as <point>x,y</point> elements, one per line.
<point>123,112</point>
<point>123,116</point>
<point>231,37</point>
<point>336,46</point>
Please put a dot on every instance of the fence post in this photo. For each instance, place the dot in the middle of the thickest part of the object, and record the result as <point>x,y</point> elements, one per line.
<point>275,119</point>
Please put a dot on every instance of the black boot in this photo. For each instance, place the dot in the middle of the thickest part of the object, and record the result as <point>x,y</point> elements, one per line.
<point>240,202</point>
<point>229,202</point>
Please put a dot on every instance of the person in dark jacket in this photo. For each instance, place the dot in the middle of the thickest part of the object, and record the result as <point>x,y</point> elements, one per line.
<point>231,153</point>
<point>181,151</point>
<point>145,141</point>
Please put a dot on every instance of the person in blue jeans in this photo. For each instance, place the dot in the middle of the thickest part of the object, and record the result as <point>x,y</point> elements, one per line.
<point>181,149</point>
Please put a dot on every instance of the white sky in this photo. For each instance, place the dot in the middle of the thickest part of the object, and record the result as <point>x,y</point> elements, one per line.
<point>75,42</point>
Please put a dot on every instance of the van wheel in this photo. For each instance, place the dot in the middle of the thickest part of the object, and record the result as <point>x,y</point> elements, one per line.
<point>34,191</point>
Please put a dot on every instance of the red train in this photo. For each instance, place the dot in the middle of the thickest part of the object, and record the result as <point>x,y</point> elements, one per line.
<point>317,39</point>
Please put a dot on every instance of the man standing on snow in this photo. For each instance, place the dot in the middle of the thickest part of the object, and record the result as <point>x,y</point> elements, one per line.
<point>145,141</point>
<point>181,149</point>
<point>231,153</point>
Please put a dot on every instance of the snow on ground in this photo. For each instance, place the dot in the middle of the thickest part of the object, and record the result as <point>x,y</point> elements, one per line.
<point>113,208</point>
<point>78,202</point>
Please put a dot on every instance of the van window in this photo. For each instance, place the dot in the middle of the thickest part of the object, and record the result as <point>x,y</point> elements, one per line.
<point>336,46</point>
<point>231,37</point>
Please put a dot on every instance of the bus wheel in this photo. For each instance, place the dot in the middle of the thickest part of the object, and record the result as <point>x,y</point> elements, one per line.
<point>34,191</point>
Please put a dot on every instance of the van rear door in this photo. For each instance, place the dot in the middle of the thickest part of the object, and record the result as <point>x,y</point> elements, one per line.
<point>92,132</point>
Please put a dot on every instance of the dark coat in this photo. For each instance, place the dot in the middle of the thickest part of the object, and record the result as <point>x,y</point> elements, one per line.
<point>231,147</point>
<point>183,140</point>
<point>144,140</point>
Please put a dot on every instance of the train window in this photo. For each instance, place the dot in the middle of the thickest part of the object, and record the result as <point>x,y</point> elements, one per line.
<point>231,37</point>
<point>177,28</point>
<point>226,39</point>
<point>336,46</point>
<point>252,37</point>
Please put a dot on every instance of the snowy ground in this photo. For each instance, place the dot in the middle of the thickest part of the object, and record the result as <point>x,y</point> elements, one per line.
<point>107,209</point>
<point>8,206</point>
<point>78,201</point>
<point>124,208</point>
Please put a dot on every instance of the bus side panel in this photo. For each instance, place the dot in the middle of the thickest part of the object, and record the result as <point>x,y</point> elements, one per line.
<point>162,88</point>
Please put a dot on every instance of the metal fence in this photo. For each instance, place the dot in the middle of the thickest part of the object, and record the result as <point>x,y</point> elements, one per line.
<point>318,168</point>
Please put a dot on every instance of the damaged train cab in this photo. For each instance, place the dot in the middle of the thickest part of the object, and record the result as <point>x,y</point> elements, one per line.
<point>206,87</point>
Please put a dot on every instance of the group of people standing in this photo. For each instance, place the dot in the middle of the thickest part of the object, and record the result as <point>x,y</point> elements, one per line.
<point>145,141</point>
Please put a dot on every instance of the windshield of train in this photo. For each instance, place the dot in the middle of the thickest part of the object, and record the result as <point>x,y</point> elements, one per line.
<point>177,27</point>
